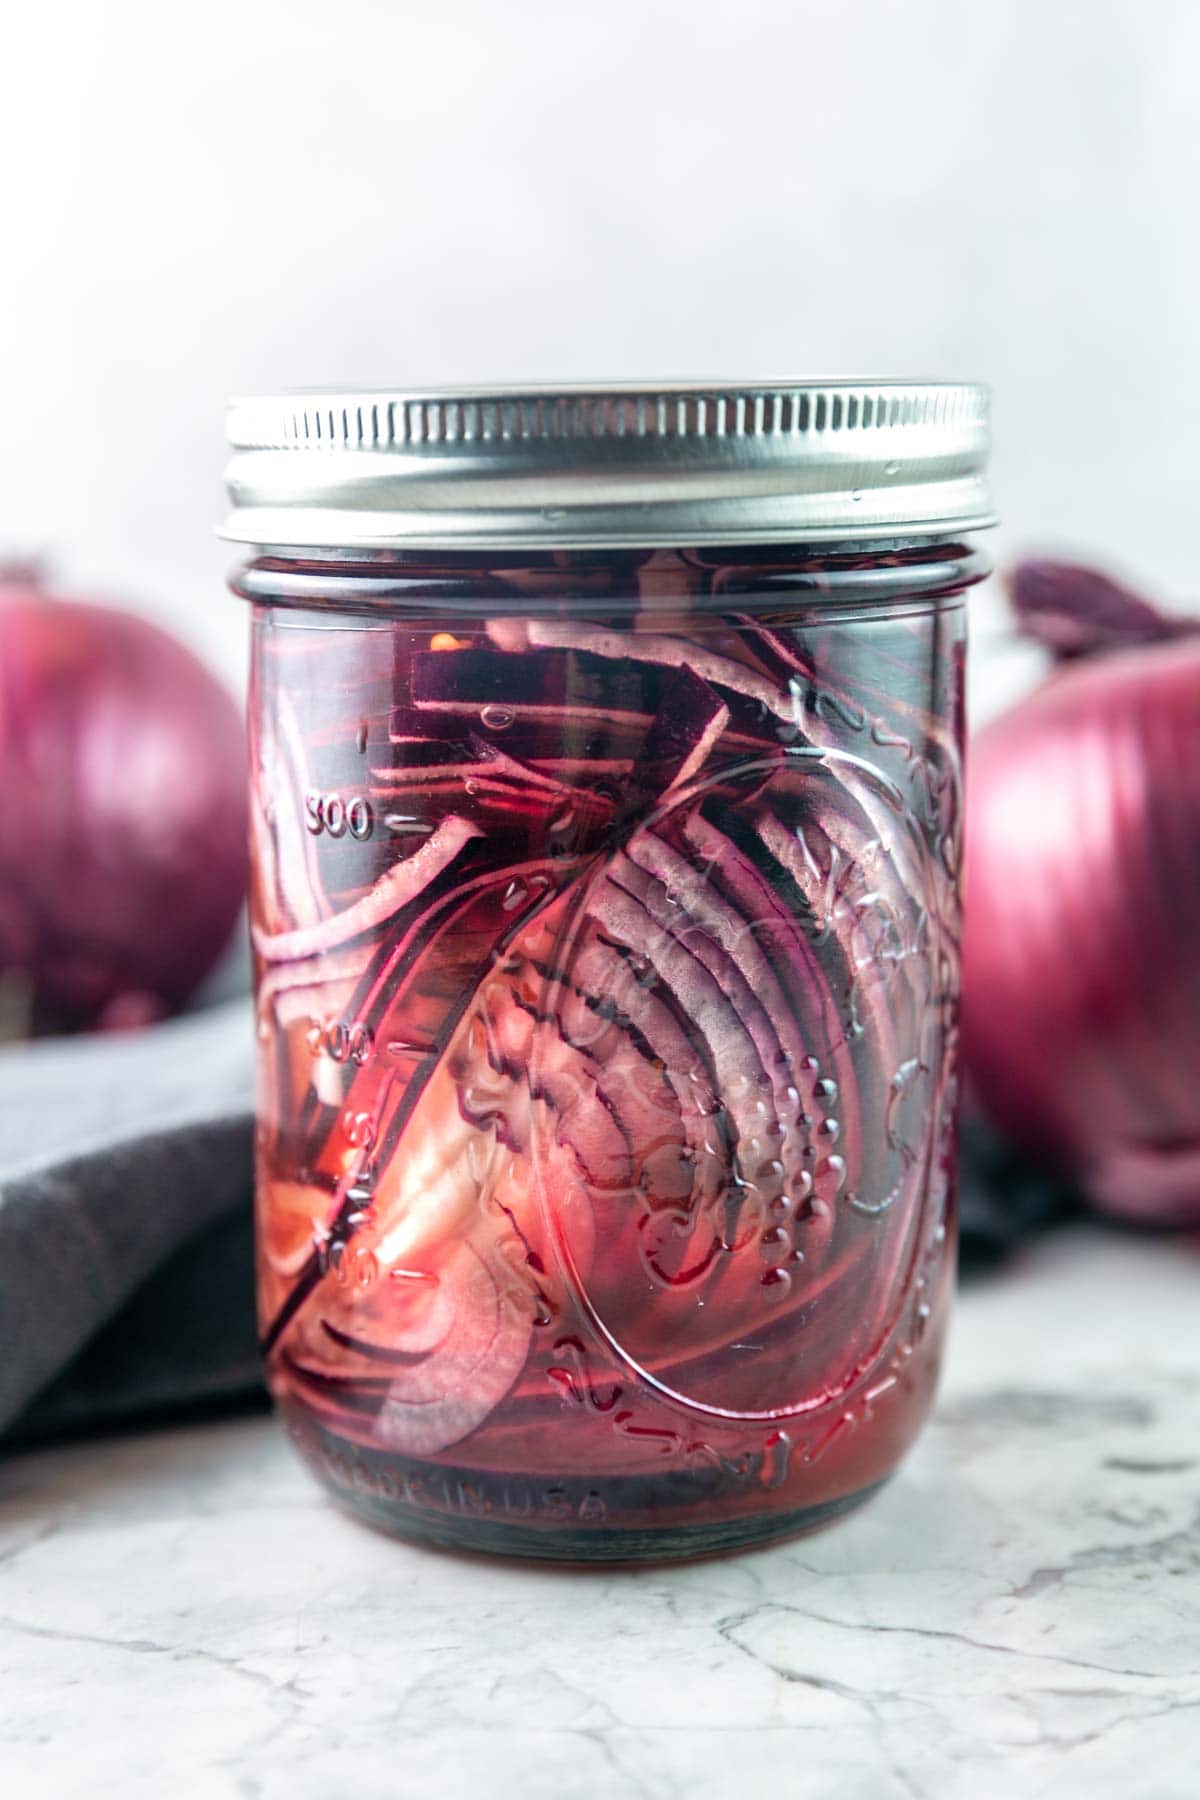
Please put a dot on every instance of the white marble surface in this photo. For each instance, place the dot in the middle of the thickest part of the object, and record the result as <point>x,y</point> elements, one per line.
<point>183,1617</point>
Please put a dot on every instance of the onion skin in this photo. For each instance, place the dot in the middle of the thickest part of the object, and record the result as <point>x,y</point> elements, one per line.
<point>1076,611</point>
<point>1081,954</point>
<point>123,823</point>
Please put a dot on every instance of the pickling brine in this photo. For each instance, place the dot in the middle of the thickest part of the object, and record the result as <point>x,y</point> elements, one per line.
<point>607,970</point>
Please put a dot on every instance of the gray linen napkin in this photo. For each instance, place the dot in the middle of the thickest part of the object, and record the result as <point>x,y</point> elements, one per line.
<point>115,1153</point>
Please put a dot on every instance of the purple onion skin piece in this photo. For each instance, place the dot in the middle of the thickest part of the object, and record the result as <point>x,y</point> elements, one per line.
<point>607,1024</point>
<point>1077,611</point>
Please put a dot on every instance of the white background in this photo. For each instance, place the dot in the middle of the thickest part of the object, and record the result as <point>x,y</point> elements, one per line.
<point>245,194</point>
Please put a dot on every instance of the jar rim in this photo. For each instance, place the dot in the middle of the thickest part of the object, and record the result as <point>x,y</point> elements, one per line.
<point>631,465</point>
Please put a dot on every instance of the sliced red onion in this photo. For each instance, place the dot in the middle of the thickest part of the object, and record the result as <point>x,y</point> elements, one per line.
<point>496,689</point>
<point>526,1049</point>
<point>288,988</point>
<point>632,648</point>
<point>609,1092</point>
<point>395,889</point>
<point>683,734</point>
<point>602,977</point>
<point>746,1084</point>
<point>440,1399</point>
<point>736,959</point>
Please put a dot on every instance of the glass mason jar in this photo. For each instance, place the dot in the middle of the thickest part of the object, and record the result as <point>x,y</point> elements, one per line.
<point>606,811</point>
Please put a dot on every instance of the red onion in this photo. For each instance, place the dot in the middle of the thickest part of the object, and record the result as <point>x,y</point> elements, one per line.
<point>123,825</point>
<point>1081,964</point>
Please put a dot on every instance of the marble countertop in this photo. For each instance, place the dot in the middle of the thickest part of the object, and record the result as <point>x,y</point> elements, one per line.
<point>183,1616</point>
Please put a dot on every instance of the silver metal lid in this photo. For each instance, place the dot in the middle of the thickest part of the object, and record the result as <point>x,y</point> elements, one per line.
<point>573,467</point>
